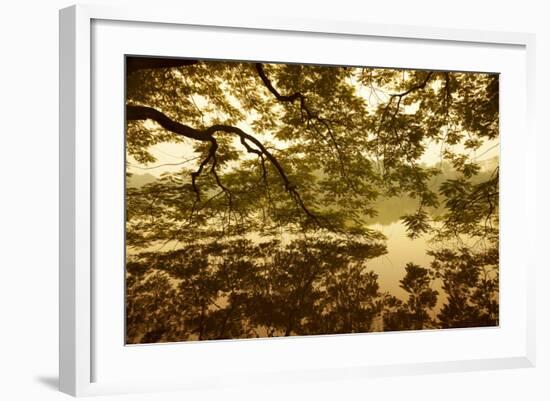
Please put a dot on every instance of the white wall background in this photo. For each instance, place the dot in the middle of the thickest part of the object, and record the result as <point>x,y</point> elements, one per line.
<point>29,199</point>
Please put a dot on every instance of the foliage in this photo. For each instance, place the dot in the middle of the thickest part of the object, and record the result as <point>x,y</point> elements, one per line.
<point>241,288</point>
<point>471,283</point>
<point>264,231</point>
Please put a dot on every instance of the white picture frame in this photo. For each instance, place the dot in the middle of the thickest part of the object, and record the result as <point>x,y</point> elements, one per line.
<point>81,342</point>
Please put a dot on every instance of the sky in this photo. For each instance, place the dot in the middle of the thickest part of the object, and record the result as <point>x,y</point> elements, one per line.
<point>170,157</point>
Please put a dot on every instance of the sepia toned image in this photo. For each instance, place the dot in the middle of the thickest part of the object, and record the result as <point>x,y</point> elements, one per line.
<point>271,199</point>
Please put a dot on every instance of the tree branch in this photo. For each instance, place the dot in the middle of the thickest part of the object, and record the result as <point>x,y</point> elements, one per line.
<point>309,114</point>
<point>421,85</point>
<point>282,98</point>
<point>250,149</point>
<point>207,135</point>
<point>196,174</point>
<point>290,188</point>
<point>134,64</point>
<point>399,97</point>
<point>149,113</point>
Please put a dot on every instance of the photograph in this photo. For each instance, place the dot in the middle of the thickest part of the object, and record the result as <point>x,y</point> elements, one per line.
<point>221,201</point>
<point>271,199</point>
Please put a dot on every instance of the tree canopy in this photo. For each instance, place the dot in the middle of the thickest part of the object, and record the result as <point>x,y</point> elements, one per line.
<point>264,229</point>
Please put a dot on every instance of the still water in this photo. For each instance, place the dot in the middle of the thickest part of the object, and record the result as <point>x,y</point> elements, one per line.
<point>401,250</point>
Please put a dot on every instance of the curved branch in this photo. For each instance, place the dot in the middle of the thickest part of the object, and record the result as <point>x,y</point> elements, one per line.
<point>399,97</point>
<point>149,113</point>
<point>309,114</point>
<point>207,135</point>
<point>290,188</point>
<point>421,85</point>
<point>282,98</point>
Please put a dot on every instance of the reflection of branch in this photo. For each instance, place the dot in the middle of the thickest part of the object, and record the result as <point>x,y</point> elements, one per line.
<point>207,135</point>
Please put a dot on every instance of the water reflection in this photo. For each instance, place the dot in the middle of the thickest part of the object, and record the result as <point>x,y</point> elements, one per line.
<point>283,283</point>
<point>242,288</point>
<point>390,267</point>
<point>401,250</point>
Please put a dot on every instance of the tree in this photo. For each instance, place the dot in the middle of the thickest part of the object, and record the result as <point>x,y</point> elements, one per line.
<point>289,162</point>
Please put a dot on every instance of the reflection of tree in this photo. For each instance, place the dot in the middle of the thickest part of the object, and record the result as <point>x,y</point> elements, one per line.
<point>469,269</point>
<point>421,297</point>
<point>264,230</point>
<point>243,289</point>
<point>470,281</point>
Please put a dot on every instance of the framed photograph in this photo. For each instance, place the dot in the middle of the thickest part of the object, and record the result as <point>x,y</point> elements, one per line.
<point>276,200</point>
